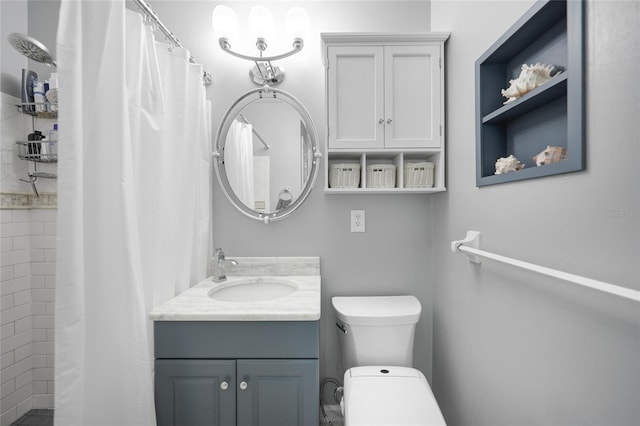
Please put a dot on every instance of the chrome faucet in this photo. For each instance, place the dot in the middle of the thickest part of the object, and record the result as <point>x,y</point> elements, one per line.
<point>219,261</point>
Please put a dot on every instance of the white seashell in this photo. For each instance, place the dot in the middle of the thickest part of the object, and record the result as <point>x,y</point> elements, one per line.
<point>508,164</point>
<point>531,76</point>
<point>552,154</point>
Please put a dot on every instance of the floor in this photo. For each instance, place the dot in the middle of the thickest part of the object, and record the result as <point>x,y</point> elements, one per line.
<point>40,417</point>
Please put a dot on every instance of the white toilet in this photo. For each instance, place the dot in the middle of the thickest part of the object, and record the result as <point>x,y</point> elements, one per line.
<point>380,387</point>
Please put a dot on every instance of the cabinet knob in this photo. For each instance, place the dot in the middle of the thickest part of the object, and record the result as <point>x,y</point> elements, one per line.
<point>389,121</point>
<point>243,385</point>
<point>381,120</point>
<point>224,386</point>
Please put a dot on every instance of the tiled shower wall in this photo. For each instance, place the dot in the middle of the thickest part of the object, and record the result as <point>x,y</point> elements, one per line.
<point>27,287</point>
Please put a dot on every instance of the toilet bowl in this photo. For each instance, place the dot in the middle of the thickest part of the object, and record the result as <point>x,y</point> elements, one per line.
<point>380,386</point>
<point>398,396</point>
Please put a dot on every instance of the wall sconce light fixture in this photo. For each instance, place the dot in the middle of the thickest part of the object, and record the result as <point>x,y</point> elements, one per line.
<point>261,27</point>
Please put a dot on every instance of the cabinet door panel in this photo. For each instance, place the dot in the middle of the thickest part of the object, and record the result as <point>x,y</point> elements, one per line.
<point>278,393</point>
<point>355,97</point>
<point>188,392</point>
<point>412,96</point>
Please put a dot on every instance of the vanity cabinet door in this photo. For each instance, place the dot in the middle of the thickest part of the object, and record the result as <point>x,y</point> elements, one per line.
<point>193,392</point>
<point>278,392</point>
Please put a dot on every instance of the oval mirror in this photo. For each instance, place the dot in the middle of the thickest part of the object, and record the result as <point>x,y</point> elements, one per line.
<point>266,155</point>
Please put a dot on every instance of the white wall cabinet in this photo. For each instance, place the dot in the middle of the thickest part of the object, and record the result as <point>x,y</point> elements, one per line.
<point>385,103</point>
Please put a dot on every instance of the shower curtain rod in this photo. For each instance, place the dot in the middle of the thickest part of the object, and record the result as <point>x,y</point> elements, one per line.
<point>245,121</point>
<point>146,9</point>
<point>470,246</point>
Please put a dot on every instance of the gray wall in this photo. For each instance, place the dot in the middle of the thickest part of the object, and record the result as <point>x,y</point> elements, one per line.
<point>393,256</point>
<point>511,347</point>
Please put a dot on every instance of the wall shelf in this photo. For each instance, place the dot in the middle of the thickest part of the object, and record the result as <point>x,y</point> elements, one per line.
<point>551,32</point>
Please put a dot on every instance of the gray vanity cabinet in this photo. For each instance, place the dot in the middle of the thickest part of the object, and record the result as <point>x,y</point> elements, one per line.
<point>236,373</point>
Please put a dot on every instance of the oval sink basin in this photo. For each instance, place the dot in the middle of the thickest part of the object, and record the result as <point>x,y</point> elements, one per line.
<point>253,290</point>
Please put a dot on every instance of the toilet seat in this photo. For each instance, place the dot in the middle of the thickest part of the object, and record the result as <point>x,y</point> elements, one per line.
<point>389,396</point>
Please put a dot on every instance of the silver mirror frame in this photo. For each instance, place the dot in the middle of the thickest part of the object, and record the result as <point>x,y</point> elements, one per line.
<point>246,99</point>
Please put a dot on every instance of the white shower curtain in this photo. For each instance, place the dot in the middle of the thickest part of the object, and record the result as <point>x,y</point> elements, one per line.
<point>238,160</point>
<point>133,206</point>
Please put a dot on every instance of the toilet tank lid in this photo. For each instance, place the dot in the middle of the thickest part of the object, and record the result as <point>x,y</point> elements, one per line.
<point>377,310</point>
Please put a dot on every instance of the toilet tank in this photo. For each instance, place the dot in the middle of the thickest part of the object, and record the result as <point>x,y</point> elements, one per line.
<point>377,330</point>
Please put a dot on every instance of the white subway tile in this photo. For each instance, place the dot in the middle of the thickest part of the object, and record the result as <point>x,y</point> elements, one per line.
<point>6,302</point>
<point>21,215</point>
<point>39,387</point>
<point>6,216</point>
<point>24,324</point>
<point>50,388</point>
<point>22,297</point>
<point>44,215</point>
<point>38,282</point>
<point>21,270</point>
<point>15,229</point>
<point>50,361</point>
<point>38,308</point>
<point>6,360</point>
<point>43,401</point>
<point>23,242</point>
<point>36,228</point>
<point>7,388</point>
<point>23,352</point>
<point>42,295</point>
<point>16,341</point>
<point>6,273</point>
<point>43,268</point>
<point>6,243</point>
<point>23,407</point>
<point>19,396</point>
<point>50,255</point>
<point>15,285</point>
<point>41,348</point>
<point>39,361</point>
<point>50,308</point>
<point>24,378</point>
<point>7,330</point>
<point>39,335</point>
<point>43,241</point>
<point>43,321</point>
<point>16,369</point>
<point>51,332</point>
<point>50,281</point>
<point>8,417</point>
<point>15,313</point>
<point>37,255</point>
<point>50,228</point>
<point>43,373</point>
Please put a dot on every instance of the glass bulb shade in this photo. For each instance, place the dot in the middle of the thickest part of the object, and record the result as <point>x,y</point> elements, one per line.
<point>297,23</point>
<point>225,22</point>
<point>261,23</point>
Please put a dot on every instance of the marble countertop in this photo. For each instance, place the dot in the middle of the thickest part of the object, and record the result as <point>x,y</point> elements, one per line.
<point>195,304</point>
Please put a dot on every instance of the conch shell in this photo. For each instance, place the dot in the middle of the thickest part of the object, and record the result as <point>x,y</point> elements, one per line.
<point>508,164</point>
<point>552,154</point>
<point>530,77</point>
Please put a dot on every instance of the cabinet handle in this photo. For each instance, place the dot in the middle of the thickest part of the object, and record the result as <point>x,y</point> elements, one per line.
<point>381,120</point>
<point>224,386</point>
<point>243,385</point>
<point>388,121</point>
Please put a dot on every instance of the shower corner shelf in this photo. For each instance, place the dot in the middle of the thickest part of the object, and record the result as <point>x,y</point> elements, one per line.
<point>37,151</point>
<point>30,108</point>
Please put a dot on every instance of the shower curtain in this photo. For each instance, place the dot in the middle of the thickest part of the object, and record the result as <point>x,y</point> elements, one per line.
<point>238,159</point>
<point>133,206</point>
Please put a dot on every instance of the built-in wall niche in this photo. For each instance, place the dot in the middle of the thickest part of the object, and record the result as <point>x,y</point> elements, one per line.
<point>550,33</point>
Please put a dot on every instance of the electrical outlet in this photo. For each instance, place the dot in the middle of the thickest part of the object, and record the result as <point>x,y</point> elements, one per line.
<point>357,220</point>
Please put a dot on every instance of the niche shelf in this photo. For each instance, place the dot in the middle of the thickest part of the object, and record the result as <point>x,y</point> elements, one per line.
<point>551,32</point>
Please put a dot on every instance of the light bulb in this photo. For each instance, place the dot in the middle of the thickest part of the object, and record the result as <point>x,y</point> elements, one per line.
<point>261,23</point>
<point>225,22</point>
<point>297,23</point>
